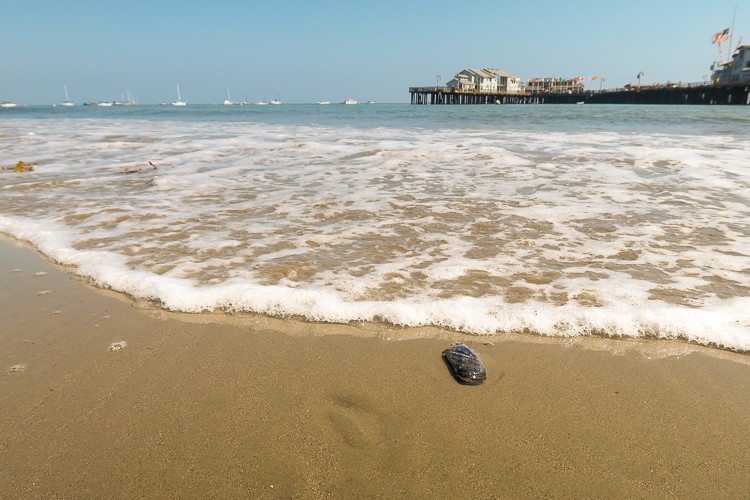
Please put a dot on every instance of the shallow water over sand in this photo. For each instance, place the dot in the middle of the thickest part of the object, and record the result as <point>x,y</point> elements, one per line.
<point>549,219</point>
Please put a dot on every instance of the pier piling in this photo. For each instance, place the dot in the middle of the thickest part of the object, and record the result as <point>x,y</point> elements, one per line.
<point>708,94</point>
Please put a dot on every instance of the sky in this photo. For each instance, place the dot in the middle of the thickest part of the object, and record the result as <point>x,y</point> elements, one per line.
<point>311,50</point>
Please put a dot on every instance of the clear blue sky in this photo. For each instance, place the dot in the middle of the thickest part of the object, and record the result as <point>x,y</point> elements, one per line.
<point>304,51</point>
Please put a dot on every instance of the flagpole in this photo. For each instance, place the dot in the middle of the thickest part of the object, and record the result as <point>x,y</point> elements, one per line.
<point>731,35</point>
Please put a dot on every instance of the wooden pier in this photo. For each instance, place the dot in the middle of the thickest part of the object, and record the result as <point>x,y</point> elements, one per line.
<point>665,94</point>
<point>447,95</point>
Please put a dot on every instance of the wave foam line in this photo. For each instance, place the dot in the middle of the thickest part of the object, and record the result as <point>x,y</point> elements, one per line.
<point>725,325</point>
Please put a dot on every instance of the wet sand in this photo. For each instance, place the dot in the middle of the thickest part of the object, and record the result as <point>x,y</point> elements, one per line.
<point>195,406</point>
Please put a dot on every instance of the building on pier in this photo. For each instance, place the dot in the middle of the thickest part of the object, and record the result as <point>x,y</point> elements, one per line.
<point>461,83</point>
<point>490,80</point>
<point>737,70</point>
<point>506,82</point>
<point>731,85</point>
<point>555,85</point>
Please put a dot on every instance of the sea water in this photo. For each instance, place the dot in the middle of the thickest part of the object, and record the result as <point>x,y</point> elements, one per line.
<point>552,220</point>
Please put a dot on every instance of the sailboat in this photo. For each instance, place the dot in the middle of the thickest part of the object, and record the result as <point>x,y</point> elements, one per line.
<point>66,102</point>
<point>228,101</point>
<point>179,101</point>
<point>131,100</point>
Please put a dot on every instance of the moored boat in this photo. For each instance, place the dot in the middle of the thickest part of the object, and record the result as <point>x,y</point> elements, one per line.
<point>67,101</point>
<point>179,101</point>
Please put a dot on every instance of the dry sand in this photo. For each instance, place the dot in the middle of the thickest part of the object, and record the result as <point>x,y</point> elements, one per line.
<point>196,406</point>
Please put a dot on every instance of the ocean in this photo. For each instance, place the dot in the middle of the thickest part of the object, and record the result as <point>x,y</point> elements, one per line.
<point>554,220</point>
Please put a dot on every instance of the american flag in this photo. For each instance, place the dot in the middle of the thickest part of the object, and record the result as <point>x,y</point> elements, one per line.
<point>720,36</point>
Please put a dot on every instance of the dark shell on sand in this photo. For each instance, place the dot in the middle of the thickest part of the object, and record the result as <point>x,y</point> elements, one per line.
<point>465,365</point>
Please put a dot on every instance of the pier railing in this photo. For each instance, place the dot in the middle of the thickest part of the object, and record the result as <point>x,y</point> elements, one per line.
<point>666,93</point>
<point>453,90</point>
<point>452,95</point>
<point>527,91</point>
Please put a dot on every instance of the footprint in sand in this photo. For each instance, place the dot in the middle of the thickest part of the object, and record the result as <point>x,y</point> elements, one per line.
<point>355,420</point>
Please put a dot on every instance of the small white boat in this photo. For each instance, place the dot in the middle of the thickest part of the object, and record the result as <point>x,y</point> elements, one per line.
<point>372,102</point>
<point>228,101</point>
<point>261,103</point>
<point>105,104</point>
<point>324,102</point>
<point>8,105</point>
<point>179,101</point>
<point>351,101</point>
<point>66,102</point>
<point>276,102</point>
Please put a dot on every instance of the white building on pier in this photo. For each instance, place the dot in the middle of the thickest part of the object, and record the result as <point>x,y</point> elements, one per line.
<point>490,80</point>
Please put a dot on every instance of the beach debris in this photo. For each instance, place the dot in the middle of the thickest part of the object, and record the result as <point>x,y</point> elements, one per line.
<point>117,346</point>
<point>464,364</point>
<point>16,368</point>
<point>41,273</point>
<point>21,166</point>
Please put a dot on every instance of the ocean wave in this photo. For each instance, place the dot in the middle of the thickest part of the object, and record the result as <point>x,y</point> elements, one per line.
<point>472,228</point>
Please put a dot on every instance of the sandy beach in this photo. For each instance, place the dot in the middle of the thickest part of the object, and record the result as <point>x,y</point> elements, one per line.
<point>104,396</point>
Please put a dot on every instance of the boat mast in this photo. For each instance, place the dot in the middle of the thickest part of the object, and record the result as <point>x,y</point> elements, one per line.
<point>731,35</point>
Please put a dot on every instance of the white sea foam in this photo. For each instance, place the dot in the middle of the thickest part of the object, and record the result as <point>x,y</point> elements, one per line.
<point>480,230</point>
